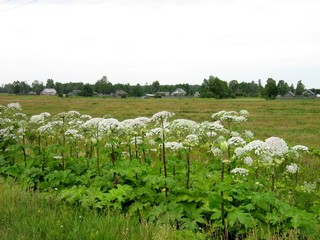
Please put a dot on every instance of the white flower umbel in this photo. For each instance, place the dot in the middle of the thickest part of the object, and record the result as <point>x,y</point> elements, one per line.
<point>236,141</point>
<point>240,171</point>
<point>14,106</point>
<point>231,116</point>
<point>258,147</point>
<point>37,119</point>
<point>161,117</point>
<point>216,152</point>
<point>300,148</point>
<point>277,146</point>
<point>244,113</point>
<point>184,125</point>
<point>248,161</point>
<point>191,140</point>
<point>73,134</point>
<point>174,146</point>
<point>292,168</point>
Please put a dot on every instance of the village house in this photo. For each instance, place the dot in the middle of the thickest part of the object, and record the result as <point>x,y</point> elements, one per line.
<point>48,91</point>
<point>179,92</point>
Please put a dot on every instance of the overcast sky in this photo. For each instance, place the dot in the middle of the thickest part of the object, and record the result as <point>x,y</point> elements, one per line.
<point>172,41</point>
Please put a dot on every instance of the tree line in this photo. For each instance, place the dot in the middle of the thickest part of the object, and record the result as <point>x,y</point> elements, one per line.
<point>213,87</point>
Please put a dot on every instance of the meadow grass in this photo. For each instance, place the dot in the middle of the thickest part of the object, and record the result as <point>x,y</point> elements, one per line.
<point>29,215</point>
<point>296,121</point>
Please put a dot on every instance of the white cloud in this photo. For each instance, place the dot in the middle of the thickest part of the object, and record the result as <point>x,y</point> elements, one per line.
<point>170,41</point>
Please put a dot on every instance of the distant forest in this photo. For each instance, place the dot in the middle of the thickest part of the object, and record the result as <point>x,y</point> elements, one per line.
<point>213,87</point>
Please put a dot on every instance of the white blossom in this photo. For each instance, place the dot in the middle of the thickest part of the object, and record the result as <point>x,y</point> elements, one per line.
<point>277,146</point>
<point>174,146</point>
<point>217,152</point>
<point>292,168</point>
<point>14,106</point>
<point>236,141</point>
<point>162,116</point>
<point>248,161</point>
<point>240,171</point>
<point>191,140</point>
<point>300,148</point>
<point>37,119</point>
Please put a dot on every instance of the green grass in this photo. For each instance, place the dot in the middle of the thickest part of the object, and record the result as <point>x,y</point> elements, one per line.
<point>28,215</point>
<point>296,121</point>
<point>25,215</point>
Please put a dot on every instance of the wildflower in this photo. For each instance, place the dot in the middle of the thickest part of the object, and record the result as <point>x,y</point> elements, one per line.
<point>240,171</point>
<point>292,168</point>
<point>216,152</point>
<point>239,151</point>
<point>192,140</point>
<point>45,114</point>
<point>14,106</point>
<point>236,141</point>
<point>277,146</point>
<point>37,119</point>
<point>258,147</point>
<point>308,187</point>
<point>73,114</point>
<point>248,134</point>
<point>300,148</point>
<point>248,161</point>
<point>244,113</point>
<point>20,115</point>
<point>46,129</point>
<point>161,117</point>
<point>218,115</point>
<point>213,127</point>
<point>85,117</point>
<point>73,134</point>
<point>234,134</point>
<point>184,125</point>
<point>174,146</point>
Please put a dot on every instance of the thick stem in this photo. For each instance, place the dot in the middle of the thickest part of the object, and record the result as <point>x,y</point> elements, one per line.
<point>224,237</point>
<point>188,168</point>
<point>98,159</point>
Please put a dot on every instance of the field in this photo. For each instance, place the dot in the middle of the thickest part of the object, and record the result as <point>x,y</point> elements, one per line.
<point>296,121</point>
<point>186,176</point>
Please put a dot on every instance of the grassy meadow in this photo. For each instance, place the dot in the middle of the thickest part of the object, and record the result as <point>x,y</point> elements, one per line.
<point>294,120</point>
<point>29,214</point>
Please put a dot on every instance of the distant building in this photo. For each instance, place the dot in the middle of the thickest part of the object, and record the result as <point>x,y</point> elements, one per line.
<point>48,91</point>
<point>179,92</point>
<point>308,93</point>
<point>120,93</point>
<point>196,94</point>
<point>289,94</point>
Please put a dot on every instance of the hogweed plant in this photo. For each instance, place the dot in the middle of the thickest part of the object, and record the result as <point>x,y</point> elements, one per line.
<point>215,180</point>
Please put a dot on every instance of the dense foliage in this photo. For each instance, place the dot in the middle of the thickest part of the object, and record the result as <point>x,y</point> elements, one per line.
<point>211,178</point>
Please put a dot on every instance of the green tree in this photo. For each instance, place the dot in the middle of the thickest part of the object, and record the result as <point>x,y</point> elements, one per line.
<point>103,86</point>
<point>214,87</point>
<point>50,83</point>
<point>86,90</point>
<point>155,87</point>
<point>37,86</point>
<point>271,89</point>
<point>283,87</point>
<point>300,88</point>
<point>234,88</point>
<point>137,91</point>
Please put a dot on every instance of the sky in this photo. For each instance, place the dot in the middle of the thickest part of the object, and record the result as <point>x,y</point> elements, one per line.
<point>171,41</point>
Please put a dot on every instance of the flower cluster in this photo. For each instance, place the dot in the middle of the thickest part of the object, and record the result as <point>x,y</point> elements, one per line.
<point>240,171</point>
<point>292,168</point>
